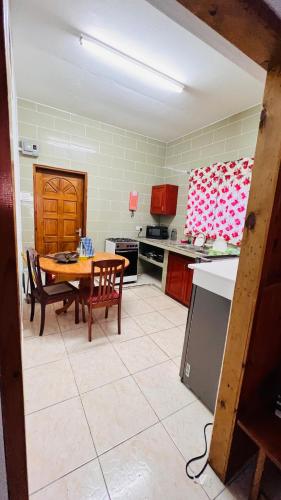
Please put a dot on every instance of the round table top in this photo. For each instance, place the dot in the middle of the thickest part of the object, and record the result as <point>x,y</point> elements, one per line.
<point>81,268</point>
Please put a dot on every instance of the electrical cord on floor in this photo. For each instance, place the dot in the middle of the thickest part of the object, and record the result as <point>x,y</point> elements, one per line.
<point>196,476</point>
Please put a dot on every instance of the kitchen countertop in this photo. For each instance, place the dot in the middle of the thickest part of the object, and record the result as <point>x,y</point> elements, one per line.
<point>218,276</point>
<point>172,246</point>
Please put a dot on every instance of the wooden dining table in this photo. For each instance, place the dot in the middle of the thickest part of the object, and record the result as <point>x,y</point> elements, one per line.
<point>77,271</point>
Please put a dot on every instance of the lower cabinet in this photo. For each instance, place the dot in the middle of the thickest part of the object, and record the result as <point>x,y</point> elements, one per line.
<point>179,278</point>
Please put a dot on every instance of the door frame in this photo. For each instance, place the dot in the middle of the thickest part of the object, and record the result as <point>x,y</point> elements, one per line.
<point>11,379</point>
<point>61,171</point>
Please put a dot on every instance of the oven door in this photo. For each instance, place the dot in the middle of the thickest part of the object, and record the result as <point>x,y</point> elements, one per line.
<point>132,256</point>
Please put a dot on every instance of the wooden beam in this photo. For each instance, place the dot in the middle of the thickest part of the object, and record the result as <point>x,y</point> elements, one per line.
<point>250,25</point>
<point>264,199</point>
<point>11,386</point>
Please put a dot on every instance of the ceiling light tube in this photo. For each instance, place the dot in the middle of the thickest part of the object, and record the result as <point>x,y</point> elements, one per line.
<point>125,62</point>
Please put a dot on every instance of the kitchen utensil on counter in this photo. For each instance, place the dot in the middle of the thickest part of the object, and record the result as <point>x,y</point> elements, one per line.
<point>174,234</point>
<point>220,245</point>
<point>200,240</point>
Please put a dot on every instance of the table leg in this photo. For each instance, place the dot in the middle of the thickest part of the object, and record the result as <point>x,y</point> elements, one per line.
<point>65,307</point>
<point>255,487</point>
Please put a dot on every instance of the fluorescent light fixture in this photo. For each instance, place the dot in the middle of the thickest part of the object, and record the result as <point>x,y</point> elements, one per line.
<point>127,63</point>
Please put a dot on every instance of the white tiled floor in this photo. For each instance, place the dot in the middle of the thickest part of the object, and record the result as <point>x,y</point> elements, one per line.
<point>111,419</point>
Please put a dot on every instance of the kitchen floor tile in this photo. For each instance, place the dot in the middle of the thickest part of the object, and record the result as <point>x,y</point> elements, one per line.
<point>77,340</point>
<point>140,353</point>
<point>183,326</point>
<point>161,302</point>
<point>239,488</point>
<point>177,361</point>
<point>128,293</point>
<point>186,428</point>
<point>67,321</point>
<point>148,466</point>
<point>97,367</point>
<point>99,314</point>
<point>48,384</point>
<point>116,412</point>
<point>32,328</point>
<point>58,440</point>
<point>177,315</point>
<point>170,341</point>
<point>137,306</point>
<point>162,387</point>
<point>209,481</point>
<point>146,291</point>
<point>129,330</point>
<point>85,483</point>
<point>152,322</point>
<point>42,350</point>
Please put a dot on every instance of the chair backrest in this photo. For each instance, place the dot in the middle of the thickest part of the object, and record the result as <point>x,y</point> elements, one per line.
<point>105,272</point>
<point>34,271</point>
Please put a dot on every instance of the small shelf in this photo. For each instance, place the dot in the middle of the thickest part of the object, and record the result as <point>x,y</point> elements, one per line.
<point>264,428</point>
<point>151,261</point>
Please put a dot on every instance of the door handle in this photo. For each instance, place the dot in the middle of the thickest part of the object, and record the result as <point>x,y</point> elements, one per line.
<point>79,232</point>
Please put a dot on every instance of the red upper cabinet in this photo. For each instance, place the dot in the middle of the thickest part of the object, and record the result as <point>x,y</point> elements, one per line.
<point>164,199</point>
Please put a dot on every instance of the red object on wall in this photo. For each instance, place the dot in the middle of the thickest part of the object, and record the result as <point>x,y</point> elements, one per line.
<point>164,199</point>
<point>133,201</point>
<point>179,278</point>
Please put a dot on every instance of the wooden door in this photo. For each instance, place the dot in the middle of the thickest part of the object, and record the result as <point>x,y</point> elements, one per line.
<point>157,200</point>
<point>59,209</point>
<point>179,278</point>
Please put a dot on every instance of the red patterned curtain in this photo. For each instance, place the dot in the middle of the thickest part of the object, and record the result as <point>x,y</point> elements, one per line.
<point>217,200</point>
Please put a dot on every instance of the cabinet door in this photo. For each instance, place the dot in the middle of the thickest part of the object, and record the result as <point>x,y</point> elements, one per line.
<point>170,200</point>
<point>179,278</point>
<point>157,199</point>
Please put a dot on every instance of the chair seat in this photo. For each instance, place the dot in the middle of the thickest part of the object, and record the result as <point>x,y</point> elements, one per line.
<point>85,292</point>
<point>59,288</point>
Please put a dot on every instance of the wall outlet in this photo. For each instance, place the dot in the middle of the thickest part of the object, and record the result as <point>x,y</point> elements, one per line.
<point>139,229</point>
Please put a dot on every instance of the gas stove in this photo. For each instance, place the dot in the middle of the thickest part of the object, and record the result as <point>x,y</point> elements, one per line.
<point>129,248</point>
<point>122,243</point>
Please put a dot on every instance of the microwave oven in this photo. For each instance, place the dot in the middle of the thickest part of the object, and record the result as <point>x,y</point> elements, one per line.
<point>157,232</point>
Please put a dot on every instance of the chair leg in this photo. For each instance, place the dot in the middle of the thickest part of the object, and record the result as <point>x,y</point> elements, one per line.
<point>64,304</point>
<point>42,323</point>
<point>106,313</point>
<point>256,482</point>
<point>77,309</point>
<point>83,311</point>
<point>90,321</point>
<point>119,319</point>
<point>32,310</point>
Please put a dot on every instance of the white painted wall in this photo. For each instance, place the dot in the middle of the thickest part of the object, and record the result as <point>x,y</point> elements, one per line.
<point>119,161</point>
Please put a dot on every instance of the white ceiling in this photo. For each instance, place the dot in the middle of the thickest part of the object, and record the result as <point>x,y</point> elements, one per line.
<point>51,67</point>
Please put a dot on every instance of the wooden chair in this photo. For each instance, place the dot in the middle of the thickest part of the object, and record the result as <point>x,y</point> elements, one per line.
<point>103,294</point>
<point>48,294</point>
